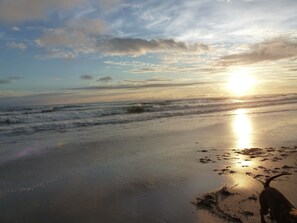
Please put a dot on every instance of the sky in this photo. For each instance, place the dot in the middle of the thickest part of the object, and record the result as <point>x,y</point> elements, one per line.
<point>76,51</point>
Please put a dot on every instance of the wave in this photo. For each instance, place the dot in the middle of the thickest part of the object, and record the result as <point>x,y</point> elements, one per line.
<point>63,117</point>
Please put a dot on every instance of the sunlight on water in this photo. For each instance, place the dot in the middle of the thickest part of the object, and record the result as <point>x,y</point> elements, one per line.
<point>242,129</point>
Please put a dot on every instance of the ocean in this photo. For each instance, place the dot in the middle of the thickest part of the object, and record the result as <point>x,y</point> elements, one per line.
<point>29,119</point>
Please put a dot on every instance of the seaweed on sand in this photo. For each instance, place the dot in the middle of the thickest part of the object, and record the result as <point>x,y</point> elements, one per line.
<point>210,202</point>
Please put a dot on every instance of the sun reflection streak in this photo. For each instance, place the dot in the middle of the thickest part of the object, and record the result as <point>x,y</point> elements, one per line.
<point>242,128</point>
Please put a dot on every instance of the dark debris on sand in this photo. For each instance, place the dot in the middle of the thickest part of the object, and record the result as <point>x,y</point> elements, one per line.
<point>264,155</point>
<point>211,202</point>
<point>269,160</point>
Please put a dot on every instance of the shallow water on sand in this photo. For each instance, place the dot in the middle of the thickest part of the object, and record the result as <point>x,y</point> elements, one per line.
<point>132,172</point>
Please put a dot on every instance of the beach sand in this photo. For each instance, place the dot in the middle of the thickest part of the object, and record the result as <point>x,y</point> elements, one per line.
<point>151,171</point>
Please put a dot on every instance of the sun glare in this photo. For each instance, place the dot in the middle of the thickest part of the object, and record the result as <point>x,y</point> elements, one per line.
<point>241,81</point>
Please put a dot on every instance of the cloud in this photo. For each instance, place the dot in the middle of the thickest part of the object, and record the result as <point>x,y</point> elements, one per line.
<point>15,78</point>
<point>148,81</point>
<point>15,29</point>
<point>89,26</point>
<point>57,53</point>
<point>105,79</point>
<point>137,47</point>
<point>78,37</point>
<point>86,77</point>
<point>77,34</point>
<point>178,66</point>
<point>19,11</point>
<point>198,68</point>
<point>138,85</point>
<point>10,79</point>
<point>106,4</point>
<point>130,63</point>
<point>148,70</point>
<point>84,37</point>
<point>65,38</point>
<point>196,64</point>
<point>16,11</point>
<point>16,45</point>
<point>271,50</point>
<point>158,79</point>
<point>5,81</point>
<point>210,21</point>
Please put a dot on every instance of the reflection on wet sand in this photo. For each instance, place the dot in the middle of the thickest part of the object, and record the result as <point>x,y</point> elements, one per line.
<point>242,128</point>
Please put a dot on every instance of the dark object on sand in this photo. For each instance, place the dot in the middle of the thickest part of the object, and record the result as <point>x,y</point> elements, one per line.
<point>210,202</point>
<point>281,209</point>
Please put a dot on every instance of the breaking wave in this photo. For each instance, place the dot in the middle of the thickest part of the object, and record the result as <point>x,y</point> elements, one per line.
<point>22,120</point>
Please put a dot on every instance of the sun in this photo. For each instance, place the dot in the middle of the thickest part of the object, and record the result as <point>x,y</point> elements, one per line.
<point>241,81</point>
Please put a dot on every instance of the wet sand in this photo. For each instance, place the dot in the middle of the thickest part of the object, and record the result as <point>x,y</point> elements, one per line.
<point>238,200</point>
<point>151,171</point>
